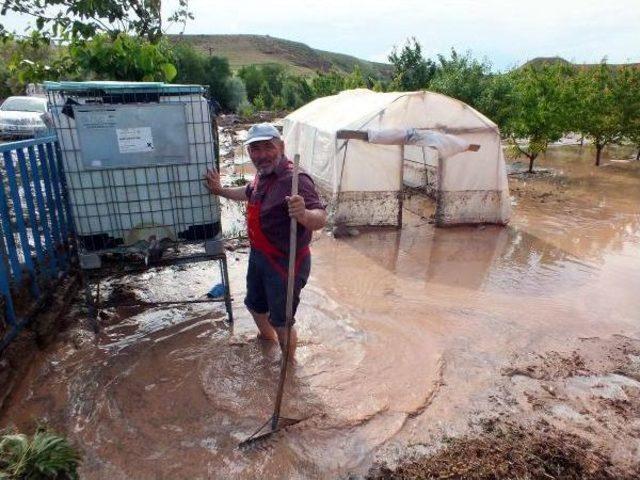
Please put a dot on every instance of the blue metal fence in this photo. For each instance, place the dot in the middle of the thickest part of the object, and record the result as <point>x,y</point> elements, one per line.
<point>36,225</point>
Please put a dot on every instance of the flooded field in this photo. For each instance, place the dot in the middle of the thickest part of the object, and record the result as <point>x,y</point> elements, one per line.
<point>408,338</point>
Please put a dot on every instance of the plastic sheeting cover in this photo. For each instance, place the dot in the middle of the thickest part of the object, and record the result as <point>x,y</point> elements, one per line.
<point>341,166</point>
<point>447,145</point>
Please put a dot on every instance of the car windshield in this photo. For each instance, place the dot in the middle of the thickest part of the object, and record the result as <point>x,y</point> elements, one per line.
<point>24,105</point>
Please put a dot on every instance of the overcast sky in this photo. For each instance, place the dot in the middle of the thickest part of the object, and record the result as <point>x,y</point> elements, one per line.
<point>505,32</point>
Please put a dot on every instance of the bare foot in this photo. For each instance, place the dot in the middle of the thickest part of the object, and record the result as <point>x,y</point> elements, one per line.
<point>266,338</point>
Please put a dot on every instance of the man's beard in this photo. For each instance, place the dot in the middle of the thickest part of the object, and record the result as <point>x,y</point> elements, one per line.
<point>268,169</point>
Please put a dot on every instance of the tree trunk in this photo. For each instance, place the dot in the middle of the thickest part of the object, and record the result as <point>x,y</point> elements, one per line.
<point>531,159</point>
<point>599,148</point>
<point>638,155</point>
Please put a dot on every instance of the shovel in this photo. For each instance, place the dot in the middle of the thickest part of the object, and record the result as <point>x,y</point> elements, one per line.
<point>276,422</point>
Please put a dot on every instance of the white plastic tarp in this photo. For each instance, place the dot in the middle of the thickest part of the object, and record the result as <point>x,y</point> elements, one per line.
<point>472,185</point>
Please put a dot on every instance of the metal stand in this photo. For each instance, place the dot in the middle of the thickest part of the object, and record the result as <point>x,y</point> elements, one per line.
<point>94,304</point>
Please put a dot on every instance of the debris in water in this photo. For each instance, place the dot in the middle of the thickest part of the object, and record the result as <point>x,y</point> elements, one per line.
<point>512,452</point>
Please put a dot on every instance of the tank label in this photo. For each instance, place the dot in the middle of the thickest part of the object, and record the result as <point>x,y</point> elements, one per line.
<point>135,140</point>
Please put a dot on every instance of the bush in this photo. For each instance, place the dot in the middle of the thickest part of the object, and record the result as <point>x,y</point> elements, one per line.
<point>5,90</point>
<point>41,457</point>
<point>246,109</point>
<point>189,63</point>
<point>236,93</point>
<point>278,103</point>
<point>259,103</point>
<point>252,78</point>
<point>266,94</point>
<point>217,72</point>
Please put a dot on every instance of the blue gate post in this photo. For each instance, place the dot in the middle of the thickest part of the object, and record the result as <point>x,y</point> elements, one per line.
<point>47,218</point>
<point>51,263</point>
<point>51,206</point>
<point>5,289</point>
<point>33,218</point>
<point>10,242</point>
<point>19,214</point>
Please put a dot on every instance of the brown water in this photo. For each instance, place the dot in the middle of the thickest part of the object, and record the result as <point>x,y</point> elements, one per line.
<point>402,333</point>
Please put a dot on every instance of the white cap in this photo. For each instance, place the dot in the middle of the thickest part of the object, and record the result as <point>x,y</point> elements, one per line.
<point>260,132</point>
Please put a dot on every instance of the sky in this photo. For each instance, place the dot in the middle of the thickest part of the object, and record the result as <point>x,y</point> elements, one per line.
<point>506,33</point>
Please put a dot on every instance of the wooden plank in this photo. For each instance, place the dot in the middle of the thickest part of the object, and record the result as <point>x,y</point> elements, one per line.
<point>352,135</point>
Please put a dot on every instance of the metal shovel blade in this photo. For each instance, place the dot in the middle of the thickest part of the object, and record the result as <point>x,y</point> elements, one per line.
<point>266,431</point>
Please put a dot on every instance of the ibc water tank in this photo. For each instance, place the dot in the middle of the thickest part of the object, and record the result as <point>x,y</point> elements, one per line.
<point>133,156</point>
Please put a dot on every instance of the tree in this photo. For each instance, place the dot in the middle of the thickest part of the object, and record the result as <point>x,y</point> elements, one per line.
<point>216,77</point>
<point>296,91</point>
<point>5,90</point>
<point>236,94</point>
<point>5,76</point>
<point>496,99</point>
<point>123,58</point>
<point>274,74</point>
<point>97,44</point>
<point>325,84</point>
<point>411,71</point>
<point>190,64</point>
<point>259,103</point>
<point>266,94</point>
<point>598,114</point>
<point>32,59</point>
<point>87,18</point>
<point>214,72</point>
<point>252,78</point>
<point>461,77</point>
<point>628,99</point>
<point>278,104</point>
<point>355,79</point>
<point>379,86</point>
<point>539,110</point>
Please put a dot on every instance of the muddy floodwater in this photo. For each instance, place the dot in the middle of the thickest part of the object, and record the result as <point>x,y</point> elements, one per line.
<point>407,337</point>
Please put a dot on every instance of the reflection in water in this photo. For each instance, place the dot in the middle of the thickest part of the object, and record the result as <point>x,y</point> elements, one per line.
<point>477,258</point>
<point>401,333</point>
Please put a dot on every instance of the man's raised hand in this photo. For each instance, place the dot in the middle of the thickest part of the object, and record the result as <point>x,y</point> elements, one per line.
<point>212,181</point>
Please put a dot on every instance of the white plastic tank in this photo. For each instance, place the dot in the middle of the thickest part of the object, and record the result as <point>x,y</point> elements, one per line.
<point>134,155</point>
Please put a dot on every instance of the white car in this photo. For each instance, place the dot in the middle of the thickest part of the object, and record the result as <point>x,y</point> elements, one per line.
<point>23,117</point>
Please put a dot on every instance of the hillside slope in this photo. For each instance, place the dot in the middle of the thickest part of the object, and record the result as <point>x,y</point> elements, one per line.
<point>300,58</point>
<point>540,61</point>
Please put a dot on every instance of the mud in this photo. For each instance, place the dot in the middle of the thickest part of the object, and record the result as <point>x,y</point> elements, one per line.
<point>569,415</point>
<point>511,452</point>
<point>408,339</point>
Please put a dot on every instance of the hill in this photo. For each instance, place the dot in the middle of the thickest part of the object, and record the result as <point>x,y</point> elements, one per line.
<point>244,50</point>
<point>540,61</point>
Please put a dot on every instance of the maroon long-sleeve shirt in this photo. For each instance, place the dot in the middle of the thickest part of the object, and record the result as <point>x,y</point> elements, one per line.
<point>272,190</point>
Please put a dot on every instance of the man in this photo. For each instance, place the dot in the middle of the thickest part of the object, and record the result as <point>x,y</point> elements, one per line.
<point>268,217</point>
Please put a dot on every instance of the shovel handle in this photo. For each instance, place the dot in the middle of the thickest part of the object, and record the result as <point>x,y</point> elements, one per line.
<point>291,278</point>
<point>293,244</point>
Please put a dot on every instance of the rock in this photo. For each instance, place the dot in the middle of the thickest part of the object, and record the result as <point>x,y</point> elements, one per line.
<point>340,231</point>
<point>81,338</point>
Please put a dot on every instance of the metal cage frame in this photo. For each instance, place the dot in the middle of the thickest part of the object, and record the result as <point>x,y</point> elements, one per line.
<point>107,203</point>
